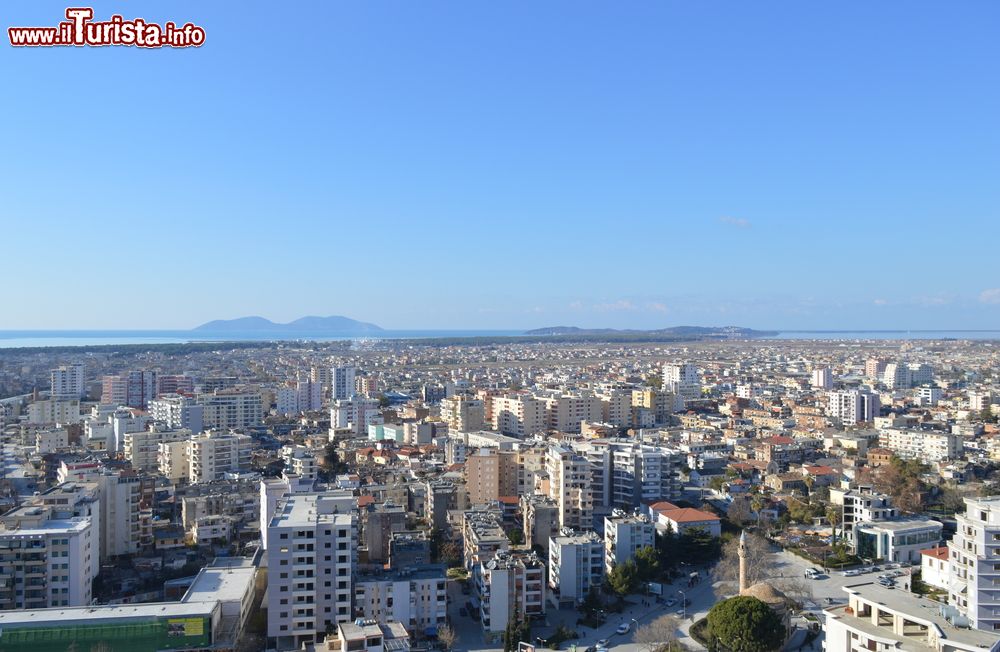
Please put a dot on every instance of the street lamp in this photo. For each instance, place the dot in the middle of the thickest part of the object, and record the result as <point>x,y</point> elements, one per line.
<point>684,602</point>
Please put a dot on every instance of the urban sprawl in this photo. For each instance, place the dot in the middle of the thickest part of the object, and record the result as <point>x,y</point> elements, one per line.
<point>734,495</point>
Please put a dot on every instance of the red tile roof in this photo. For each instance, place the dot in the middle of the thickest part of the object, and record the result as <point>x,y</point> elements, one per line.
<point>937,553</point>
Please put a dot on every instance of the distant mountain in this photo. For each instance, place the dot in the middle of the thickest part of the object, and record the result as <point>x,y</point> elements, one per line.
<point>681,331</point>
<point>333,324</point>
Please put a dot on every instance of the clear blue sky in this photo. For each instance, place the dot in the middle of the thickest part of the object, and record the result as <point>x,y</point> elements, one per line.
<point>508,165</point>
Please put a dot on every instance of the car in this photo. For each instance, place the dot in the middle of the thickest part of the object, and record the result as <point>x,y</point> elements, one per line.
<point>602,643</point>
<point>670,602</point>
<point>623,628</point>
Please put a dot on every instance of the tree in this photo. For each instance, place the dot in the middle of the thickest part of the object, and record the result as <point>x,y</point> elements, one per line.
<point>745,624</point>
<point>668,546</point>
<point>740,512</point>
<point>447,636</point>
<point>698,546</point>
<point>623,578</point>
<point>450,553</point>
<point>647,563</point>
<point>516,536</point>
<point>659,635</point>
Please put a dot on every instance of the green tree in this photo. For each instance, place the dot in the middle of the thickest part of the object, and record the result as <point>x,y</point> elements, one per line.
<point>668,546</point>
<point>623,578</point>
<point>745,624</point>
<point>516,536</point>
<point>647,562</point>
<point>698,546</point>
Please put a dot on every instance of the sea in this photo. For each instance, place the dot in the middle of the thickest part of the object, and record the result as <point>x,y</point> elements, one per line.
<point>58,338</point>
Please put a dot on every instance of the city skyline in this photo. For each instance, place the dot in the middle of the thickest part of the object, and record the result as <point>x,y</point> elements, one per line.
<point>483,167</point>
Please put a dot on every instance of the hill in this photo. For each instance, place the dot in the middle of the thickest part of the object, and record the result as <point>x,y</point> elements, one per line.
<point>332,324</point>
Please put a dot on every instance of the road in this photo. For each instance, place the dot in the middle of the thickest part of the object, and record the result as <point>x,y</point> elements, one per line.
<point>703,596</point>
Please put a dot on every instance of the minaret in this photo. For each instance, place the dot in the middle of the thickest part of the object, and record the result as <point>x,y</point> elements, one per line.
<point>743,562</point>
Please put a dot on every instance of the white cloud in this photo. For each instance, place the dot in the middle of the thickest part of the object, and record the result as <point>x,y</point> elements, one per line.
<point>991,296</point>
<point>616,306</point>
<point>656,306</point>
<point>880,302</point>
<point>738,222</point>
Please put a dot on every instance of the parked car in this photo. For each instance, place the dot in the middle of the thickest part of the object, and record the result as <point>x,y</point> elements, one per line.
<point>623,628</point>
<point>670,602</point>
<point>602,643</point>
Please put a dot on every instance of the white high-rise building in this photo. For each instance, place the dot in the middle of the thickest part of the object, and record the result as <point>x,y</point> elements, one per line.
<point>142,448</point>
<point>212,455</point>
<point>46,561</point>
<point>682,380</point>
<point>311,557</point>
<point>569,478</point>
<point>576,565</point>
<point>67,382</point>
<point>176,411</point>
<point>354,414</point>
<point>822,378</point>
<point>342,383</point>
<point>624,536</point>
<point>974,563</point>
<point>231,408</point>
<point>519,415</point>
<point>853,407</point>
<point>309,395</point>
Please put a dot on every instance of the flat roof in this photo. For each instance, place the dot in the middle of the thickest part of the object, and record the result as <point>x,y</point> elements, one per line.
<point>105,613</point>
<point>914,607</point>
<point>901,524</point>
<point>221,581</point>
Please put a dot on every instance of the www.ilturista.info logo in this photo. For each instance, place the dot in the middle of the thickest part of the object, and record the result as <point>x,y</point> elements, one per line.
<point>80,29</point>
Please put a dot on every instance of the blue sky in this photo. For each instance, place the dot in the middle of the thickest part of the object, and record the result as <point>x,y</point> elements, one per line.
<point>509,165</point>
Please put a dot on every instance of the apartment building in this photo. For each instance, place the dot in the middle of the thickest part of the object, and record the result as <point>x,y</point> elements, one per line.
<point>226,409</point>
<point>564,412</point>
<point>822,378</point>
<point>46,561</point>
<point>342,385</point>
<point>624,536</point>
<point>415,596</point>
<point>482,537</point>
<point>378,523</point>
<point>142,448</point>
<point>56,410</point>
<point>214,454</point>
<point>924,445</point>
<point>974,563</point>
<point>510,583</point>
<point>353,415</point>
<point>126,515</point>
<point>569,485</point>
<point>518,415</point>
<point>862,506</point>
<point>311,559</point>
<point>540,516</point>
<point>174,384</point>
<point>176,411</point>
<point>626,474</point>
<point>462,413</point>
<point>853,407</point>
<point>682,380</point>
<point>67,382</point>
<point>576,564</point>
<point>491,473</point>
<point>131,389</point>
<point>300,461</point>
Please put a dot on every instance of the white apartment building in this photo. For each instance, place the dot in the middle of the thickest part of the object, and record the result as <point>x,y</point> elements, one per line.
<point>212,455</point>
<point>342,385</point>
<point>176,411</point>
<point>616,406</point>
<point>63,410</point>
<point>879,619</point>
<point>682,380</point>
<point>299,461</point>
<point>415,596</point>
<point>929,396</point>
<point>860,506</point>
<point>822,378</point>
<point>226,409</point>
<point>311,557</point>
<point>67,382</point>
<point>626,474</point>
<point>925,445</point>
<point>979,401</point>
<point>509,583</point>
<point>46,561</point>
<point>124,421</point>
<point>49,441</point>
<point>142,448</point>
<point>625,535</point>
<point>576,564</point>
<point>900,375</point>
<point>519,415</point>
<point>853,407</point>
<point>974,563</point>
<point>569,485</point>
<point>353,415</point>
